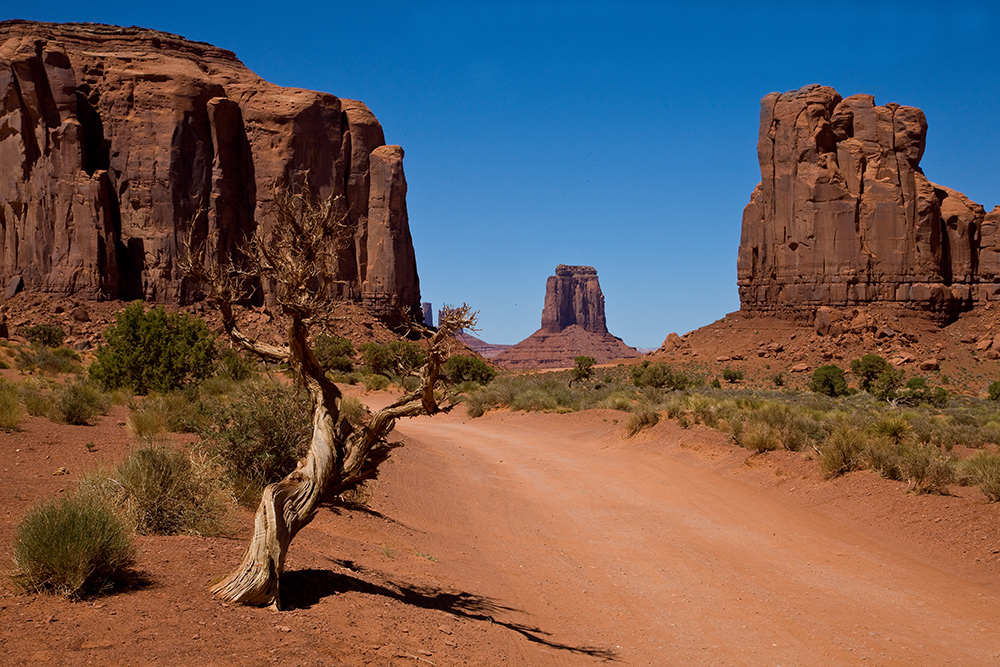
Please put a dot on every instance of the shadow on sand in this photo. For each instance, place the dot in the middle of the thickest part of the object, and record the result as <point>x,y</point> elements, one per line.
<point>301,589</point>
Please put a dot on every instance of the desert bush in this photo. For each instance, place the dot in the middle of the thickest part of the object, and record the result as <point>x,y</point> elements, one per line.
<point>583,368</point>
<point>983,470</point>
<point>917,391</point>
<point>45,334</point>
<point>11,412</point>
<point>644,415</point>
<point>926,469</point>
<point>36,400</point>
<point>78,403</point>
<point>660,376</point>
<point>868,368</point>
<point>994,391</point>
<point>153,351</point>
<point>886,385</point>
<point>829,381</point>
<point>334,353</point>
<point>732,375</point>
<point>177,412</point>
<point>895,427</point>
<point>618,400</point>
<point>758,436</point>
<point>159,491</point>
<point>233,365</point>
<point>376,382</point>
<point>48,359</point>
<point>778,379</point>
<point>400,357</point>
<point>842,452</point>
<point>353,411</point>
<point>460,368</point>
<point>73,546</point>
<point>259,434</point>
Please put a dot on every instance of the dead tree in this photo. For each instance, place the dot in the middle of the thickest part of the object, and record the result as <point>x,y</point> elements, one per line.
<point>297,261</point>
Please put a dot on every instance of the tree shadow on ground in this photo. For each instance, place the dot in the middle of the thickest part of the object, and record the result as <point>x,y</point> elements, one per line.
<point>301,589</point>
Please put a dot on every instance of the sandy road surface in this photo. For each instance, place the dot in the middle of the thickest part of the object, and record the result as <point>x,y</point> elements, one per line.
<point>646,555</point>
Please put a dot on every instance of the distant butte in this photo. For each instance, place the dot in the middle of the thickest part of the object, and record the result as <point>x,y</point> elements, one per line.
<point>573,324</point>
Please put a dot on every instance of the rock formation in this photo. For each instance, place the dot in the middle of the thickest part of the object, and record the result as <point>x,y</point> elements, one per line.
<point>844,216</point>
<point>573,324</point>
<point>117,143</point>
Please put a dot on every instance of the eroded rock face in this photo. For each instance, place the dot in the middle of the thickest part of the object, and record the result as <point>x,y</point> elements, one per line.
<point>116,143</point>
<point>573,296</point>
<point>844,216</point>
<point>573,324</point>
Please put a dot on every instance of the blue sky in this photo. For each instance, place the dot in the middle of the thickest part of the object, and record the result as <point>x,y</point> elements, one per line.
<point>620,135</point>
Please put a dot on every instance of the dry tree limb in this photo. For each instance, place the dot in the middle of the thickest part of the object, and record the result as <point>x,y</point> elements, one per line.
<point>297,260</point>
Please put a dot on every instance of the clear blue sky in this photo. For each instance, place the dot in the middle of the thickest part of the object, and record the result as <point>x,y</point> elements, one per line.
<point>616,134</point>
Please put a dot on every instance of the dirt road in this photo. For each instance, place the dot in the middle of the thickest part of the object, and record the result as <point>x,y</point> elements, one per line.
<point>644,553</point>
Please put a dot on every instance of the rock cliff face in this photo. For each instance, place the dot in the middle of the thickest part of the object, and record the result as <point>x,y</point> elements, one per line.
<point>573,296</point>
<point>116,143</point>
<point>844,216</point>
<point>573,324</point>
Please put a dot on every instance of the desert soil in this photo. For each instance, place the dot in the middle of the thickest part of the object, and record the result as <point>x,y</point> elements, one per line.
<point>543,539</point>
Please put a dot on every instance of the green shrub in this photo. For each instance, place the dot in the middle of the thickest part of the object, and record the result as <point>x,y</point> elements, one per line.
<point>461,368</point>
<point>353,411</point>
<point>842,452</point>
<point>994,390</point>
<point>619,400</point>
<point>867,370</point>
<point>233,365</point>
<point>73,546</point>
<point>260,434</point>
<point>36,401</point>
<point>376,382</point>
<point>153,351</point>
<point>45,334</point>
<point>829,381</point>
<point>732,375</point>
<point>334,353</point>
<point>49,360</point>
<point>983,470</point>
<point>10,406</point>
<point>778,379</point>
<point>160,492</point>
<point>659,375</point>
<point>78,403</point>
<point>583,368</point>
<point>400,357</point>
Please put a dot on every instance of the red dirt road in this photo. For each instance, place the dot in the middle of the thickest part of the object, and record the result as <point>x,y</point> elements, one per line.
<point>544,539</point>
<point>646,552</point>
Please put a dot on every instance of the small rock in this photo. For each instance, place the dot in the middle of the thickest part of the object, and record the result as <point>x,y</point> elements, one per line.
<point>60,471</point>
<point>80,314</point>
<point>799,368</point>
<point>929,365</point>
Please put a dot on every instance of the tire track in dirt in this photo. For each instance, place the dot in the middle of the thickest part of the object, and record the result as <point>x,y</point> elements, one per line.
<point>662,559</point>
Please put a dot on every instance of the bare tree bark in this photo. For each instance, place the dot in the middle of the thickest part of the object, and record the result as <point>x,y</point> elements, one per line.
<point>336,460</point>
<point>297,259</point>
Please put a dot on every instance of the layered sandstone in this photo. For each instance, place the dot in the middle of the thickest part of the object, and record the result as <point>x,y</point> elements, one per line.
<point>116,144</point>
<point>844,216</point>
<point>573,324</point>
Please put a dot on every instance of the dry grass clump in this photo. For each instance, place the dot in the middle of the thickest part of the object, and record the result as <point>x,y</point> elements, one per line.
<point>162,491</point>
<point>11,411</point>
<point>73,546</point>
<point>983,470</point>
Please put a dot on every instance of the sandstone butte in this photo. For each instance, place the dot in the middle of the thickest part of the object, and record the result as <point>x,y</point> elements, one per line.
<point>844,216</point>
<point>573,324</point>
<point>116,143</point>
